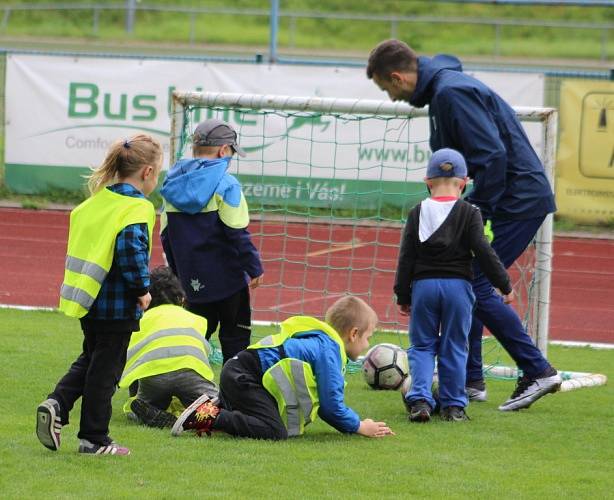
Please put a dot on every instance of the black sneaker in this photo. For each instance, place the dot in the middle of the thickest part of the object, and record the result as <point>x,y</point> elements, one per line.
<point>152,416</point>
<point>49,424</point>
<point>419,411</point>
<point>434,411</point>
<point>528,390</point>
<point>476,390</point>
<point>454,414</point>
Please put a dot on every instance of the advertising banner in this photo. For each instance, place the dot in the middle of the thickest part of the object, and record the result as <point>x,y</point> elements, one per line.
<point>62,113</point>
<point>585,166</point>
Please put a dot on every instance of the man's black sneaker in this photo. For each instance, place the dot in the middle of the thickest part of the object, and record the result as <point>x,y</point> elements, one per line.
<point>528,390</point>
<point>419,411</point>
<point>49,424</point>
<point>152,416</point>
<point>454,414</point>
<point>476,390</point>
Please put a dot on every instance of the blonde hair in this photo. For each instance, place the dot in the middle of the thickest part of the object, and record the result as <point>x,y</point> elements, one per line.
<point>349,312</point>
<point>124,158</point>
<point>446,181</point>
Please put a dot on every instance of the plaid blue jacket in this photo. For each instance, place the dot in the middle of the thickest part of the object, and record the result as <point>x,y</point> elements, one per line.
<point>128,277</point>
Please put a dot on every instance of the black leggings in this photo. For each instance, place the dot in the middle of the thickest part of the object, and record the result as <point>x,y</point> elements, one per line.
<point>93,376</point>
<point>233,314</point>
<point>249,410</point>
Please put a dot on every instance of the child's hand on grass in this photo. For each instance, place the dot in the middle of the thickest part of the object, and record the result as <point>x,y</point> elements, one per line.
<point>369,428</point>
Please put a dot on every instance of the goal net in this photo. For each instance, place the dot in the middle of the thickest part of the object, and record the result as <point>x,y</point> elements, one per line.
<point>329,183</point>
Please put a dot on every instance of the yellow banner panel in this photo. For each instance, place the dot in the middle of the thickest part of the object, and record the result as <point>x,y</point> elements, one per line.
<point>585,163</point>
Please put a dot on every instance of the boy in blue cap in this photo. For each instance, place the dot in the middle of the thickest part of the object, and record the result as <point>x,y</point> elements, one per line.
<point>433,280</point>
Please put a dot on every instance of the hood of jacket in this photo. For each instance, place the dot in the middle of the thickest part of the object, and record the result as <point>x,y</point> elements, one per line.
<point>191,183</point>
<point>428,68</point>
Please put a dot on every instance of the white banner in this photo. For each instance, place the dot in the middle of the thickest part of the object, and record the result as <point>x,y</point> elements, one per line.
<point>65,111</point>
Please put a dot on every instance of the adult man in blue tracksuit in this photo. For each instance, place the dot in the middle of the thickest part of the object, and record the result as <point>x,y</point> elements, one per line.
<point>205,238</point>
<point>509,186</point>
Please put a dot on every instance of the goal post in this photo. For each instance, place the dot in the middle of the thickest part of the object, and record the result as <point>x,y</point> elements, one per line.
<point>190,107</point>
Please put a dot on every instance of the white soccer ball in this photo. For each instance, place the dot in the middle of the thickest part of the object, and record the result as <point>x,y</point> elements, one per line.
<point>385,367</point>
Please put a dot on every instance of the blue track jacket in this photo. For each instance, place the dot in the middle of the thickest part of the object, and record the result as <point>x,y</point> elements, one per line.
<point>322,353</point>
<point>509,181</point>
<point>204,230</point>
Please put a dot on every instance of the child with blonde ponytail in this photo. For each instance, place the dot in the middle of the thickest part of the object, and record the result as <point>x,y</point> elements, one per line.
<point>106,286</point>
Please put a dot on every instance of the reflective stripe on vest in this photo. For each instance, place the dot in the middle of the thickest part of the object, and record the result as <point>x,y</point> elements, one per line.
<point>90,269</point>
<point>81,297</point>
<point>165,353</point>
<point>293,423</point>
<point>190,332</point>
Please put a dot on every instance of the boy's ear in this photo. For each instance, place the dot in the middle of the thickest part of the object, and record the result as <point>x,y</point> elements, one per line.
<point>353,335</point>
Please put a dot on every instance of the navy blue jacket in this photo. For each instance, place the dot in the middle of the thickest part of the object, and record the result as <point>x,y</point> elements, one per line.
<point>204,230</point>
<point>509,181</point>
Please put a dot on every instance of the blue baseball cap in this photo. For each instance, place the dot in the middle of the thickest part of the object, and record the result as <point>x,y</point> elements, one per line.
<point>446,162</point>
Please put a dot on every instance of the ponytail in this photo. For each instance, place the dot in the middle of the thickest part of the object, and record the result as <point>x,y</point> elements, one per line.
<point>124,158</point>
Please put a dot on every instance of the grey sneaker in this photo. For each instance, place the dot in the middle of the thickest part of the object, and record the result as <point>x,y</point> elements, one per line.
<point>49,424</point>
<point>530,390</point>
<point>89,448</point>
<point>454,414</point>
<point>419,411</point>
<point>476,390</point>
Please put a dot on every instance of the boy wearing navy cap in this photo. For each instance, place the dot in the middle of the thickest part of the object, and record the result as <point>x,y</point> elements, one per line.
<point>205,238</point>
<point>433,281</point>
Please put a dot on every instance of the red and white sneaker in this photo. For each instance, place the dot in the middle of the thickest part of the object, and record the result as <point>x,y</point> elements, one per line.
<point>90,448</point>
<point>49,424</point>
<point>199,416</point>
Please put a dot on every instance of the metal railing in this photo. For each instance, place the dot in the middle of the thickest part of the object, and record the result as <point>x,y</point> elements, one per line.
<point>275,14</point>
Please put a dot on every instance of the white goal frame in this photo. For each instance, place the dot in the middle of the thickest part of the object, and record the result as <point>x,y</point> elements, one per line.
<point>547,116</point>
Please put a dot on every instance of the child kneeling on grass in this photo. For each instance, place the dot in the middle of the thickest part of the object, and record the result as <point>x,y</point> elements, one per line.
<point>168,357</point>
<point>277,386</point>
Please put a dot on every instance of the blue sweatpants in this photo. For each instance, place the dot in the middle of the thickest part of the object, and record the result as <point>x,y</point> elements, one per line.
<point>439,305</point>
<point>511,240</point>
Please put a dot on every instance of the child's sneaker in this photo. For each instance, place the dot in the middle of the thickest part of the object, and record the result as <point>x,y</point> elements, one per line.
<point>454,414</point>
<point>419,411</point>
<point>152,416</point>
<point>49,424</point>
<point>476,390</point>
<point>199,417</point>
<point>90,448</point>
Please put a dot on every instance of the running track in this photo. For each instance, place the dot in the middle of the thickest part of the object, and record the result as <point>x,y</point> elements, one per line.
<point>305,272</point>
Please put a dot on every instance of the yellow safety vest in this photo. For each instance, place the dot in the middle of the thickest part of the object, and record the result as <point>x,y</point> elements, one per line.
<point>170,338</point>
<point>94,225</point>
<point>291,381</point>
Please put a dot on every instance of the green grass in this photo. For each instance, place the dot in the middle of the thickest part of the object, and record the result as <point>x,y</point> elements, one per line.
<point>327,35</point>
<point>560,448</point>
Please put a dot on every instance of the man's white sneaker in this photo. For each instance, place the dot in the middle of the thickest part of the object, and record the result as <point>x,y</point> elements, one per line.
<point>530,390</point>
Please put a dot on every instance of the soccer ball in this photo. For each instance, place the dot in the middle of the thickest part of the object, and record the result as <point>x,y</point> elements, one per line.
<point>385,366</point>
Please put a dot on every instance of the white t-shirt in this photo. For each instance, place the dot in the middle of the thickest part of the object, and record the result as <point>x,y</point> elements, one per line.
<point>432,215</point>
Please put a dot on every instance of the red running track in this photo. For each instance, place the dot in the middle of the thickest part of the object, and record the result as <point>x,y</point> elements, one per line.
<point>304,272</point>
